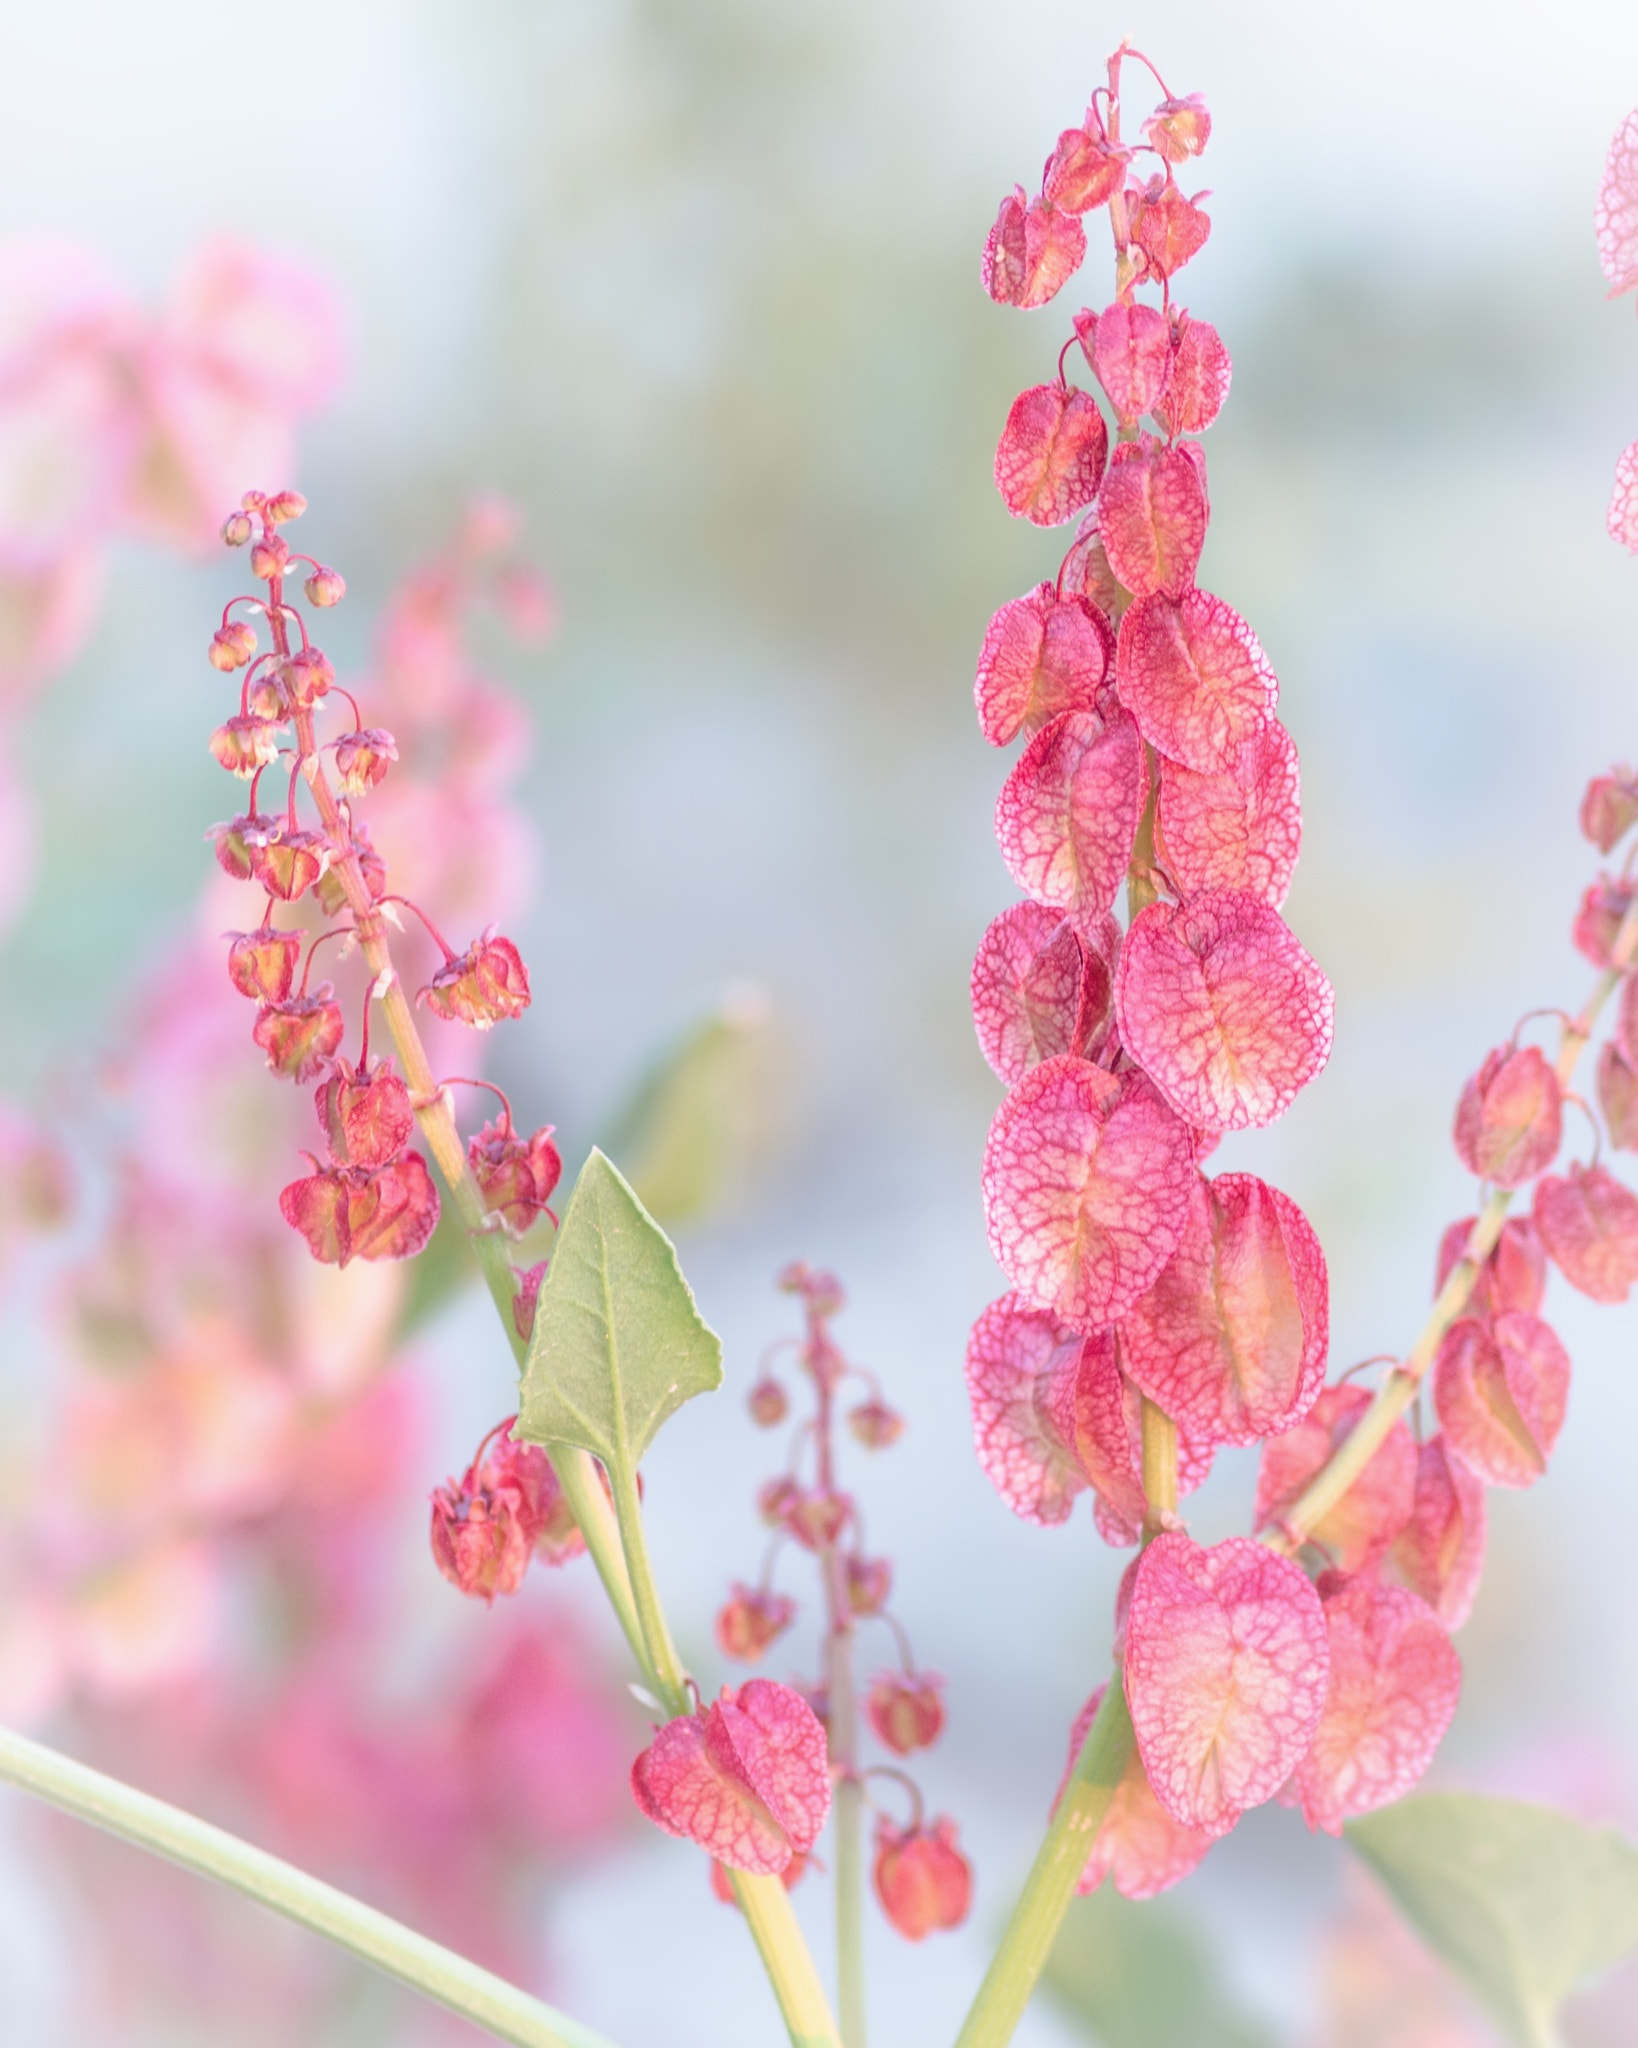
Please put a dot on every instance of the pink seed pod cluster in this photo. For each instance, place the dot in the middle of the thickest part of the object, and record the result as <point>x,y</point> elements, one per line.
<point>699,1778</point>
<point>1615,218</point>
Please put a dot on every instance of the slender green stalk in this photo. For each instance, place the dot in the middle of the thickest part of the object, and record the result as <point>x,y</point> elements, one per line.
<point>1019,1961</point>
<point>659,1654</point>
<point>1159,1467</point>
<point>787,1959</point>
<point>425,1966</point>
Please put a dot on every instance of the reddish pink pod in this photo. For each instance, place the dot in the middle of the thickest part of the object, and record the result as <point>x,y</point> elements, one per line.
<point>1231,1339</point>
<point>1050,459</point>
<point>1222,1007</point>
<point>1621,520</point>
<point>1510,1119</point>
<point>1227,1662</point>
<point>748,1777</point>
<point>1042,654</point>
<point>1152,516</point>
<point>1031,252</point>
<point>1618,1096</point>
<point>1037,990</point>
<point>1084,170</point>
<point>1168,228</point>
<point>1138,1842</point>
<point>1615,214</point>
<point>1588,1223</point>
<point>1626,1018</point>
<point>1609,808</point>
<point>1086,1188</point>
<point>1599,919</point>
<point>1192,674</point>
<point>1086,572</point>
<point>922,1880</point>
<point>1129,349</point>
<point>1199,380</point>
<point>1067,816</point>
<point>1439,1554</point>
<point>1179,129</point>
<point>1395,1681</point>
<point>1358,1529</point>
<point>1513,1277</point>
<point>1237,828</point>
<point>1019,1359</point>
<point>1500,1389</point>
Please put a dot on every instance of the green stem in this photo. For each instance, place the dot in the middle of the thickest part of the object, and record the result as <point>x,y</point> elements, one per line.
<point>787,1960</point>
<point>436,1972</point>
<point>1019,1961</point>
<point>658,1653</point>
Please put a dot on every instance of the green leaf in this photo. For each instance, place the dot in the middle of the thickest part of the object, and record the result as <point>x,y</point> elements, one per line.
<point>1143,1976</point>
<point>704,1113</point>
<point>618,1343</point>
<point>1522,1902</point>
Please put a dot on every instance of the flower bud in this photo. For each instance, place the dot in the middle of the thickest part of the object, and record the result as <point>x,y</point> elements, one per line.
<point>1610,808</point>
<point>478,987</point>
<point>821,1292</point>
<point>516,1176</point>
<point>817,1519</point>
<point>308,676</point>
<point>239,843</point>
<point>527,1298</point>
<point>922,1879</point>
<point>284,506</point>
<point>775,1500</point>
<point>262,964</point>
<point>906,1712</point>
<point>268,698</point>
<point>324,588</point>
<point>363,758</point>
<point>237,529</point>
<point>268,557</point>
<point>869,1584</point>
<point>1618,1097</point>
<point>366,1116</point>
<point>232,646</point>
<point>243,745</point>
<point>288,866</point>
<point>751,1620</point>
<point>768,1402</point>
<point>875,1425</point>
<point>300,1034</point>
<point>1510,1119</point>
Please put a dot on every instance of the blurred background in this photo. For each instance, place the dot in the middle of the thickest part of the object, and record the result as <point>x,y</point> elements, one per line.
<point>695,287</point>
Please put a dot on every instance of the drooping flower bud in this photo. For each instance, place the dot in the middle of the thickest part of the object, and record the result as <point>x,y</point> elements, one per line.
<point>817,1519</point>
<point>480,986</point>
<point>365,1115</point>
<point>907,1712</point>
<point>243,745</point>
<point>268,557</point>
<point>262,964</point>
<point>324,588</point>
<point>517,1176</point>
<point>1179,129</point>
<point>922,1879</point>
<point>239,842</point>
<point>268,698</point>
<point>775,1500</point>
<point>1510,1119</point>
<point>750,1620</point>
<point>875,1425</point>
<point>869,1584</point>
<point>483,1531</point>
<point>284,506</point>
<point>232,646</point>
<point>768,1402</point>
<point>363,758</point>
<point>308,676</point>
<point>300,1034</point>
<point>237,529</point>
<point>1609,809</point>
<point>288,866</point>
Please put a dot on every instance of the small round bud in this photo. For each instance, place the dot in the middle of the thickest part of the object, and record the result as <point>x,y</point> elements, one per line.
<point>237,529</point>
<point>363,758</point>
<point>232,646</point>
<point>325,587</point>
<point>515,1175</point>
<point>268,557</point>
<point>244,745</point>
<point>776,1499</point>
<point>817,1519</point>
<point>922,1879</point>
<point>907,1713</point>
<point>239,841</point>
<point>751,1620</point>
<point>768,1402</point>
<point>869,1584</point>
<point>875,1425</point>
<point>268,697</point>
<point>284,506</point>
<point>308,677</point>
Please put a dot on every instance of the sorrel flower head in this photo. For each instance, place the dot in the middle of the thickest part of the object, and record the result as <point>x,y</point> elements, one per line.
<point>506,1507</point>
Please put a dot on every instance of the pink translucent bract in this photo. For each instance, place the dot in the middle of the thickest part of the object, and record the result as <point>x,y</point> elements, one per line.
<point>1223,1008</point>
<point>1051,454</point>
<point>1038,990</point>
<point>1588,1223</point>
<point>1238,828</point>
<point>1439,1553</point>
<point>1042,654</point>
<point>1086,1188</point>
<point>1138,1842</point>
<point>1193,675</point>
<point>747,1778</point>
<point>1509,1120</point>
<point>1199,381</point>
<point>1231,1339</point>
<point>1067,816</point>
<point>1227,1663</point>
<point>1622,516</point>
<point>1615,214</point>
<point>1500,1389</point>
<point>1131,352</point>
<point>1152,517</point>
<point>1513,1277</point>
<point>1032,251</point>
<point>1358,1528</point>
<point>1395,1681</point>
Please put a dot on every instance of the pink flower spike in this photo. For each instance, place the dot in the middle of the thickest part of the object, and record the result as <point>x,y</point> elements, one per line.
<point>1139,1843</point>
<point>1051,454</point>
<point>1067,816</point>
<point>1618,1096</point>
<point>1084,170</point>
<point>1231,1340</point>
<point>1037,990</point>
<point>1223,1008</point>
<point>1240,828</point>
<point>1227,1663</point>
<point>1500,1390</point>
<point>1129,348</point>
<point>1152,516</point>
<point>1615,214</point>
<point>1199,380</point>
<point>1358,1529</point>
<point>1042,654</point>
<point>1510,1120</point>
<point>747,1778</point>
<point>1021,1365</point>
<point>1439,1553</point>
<point>1589,1225</point>
<point>1395,1681</point>
<point>1086,1188</point>
<point>1192,674</point>
<point>1621,520</point>
<point>1513,1277</point>
<point>1032,251</point>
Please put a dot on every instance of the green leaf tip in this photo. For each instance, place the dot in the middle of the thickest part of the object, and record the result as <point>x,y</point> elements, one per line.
<point>618,1343</point>
<point>1523,1902</point>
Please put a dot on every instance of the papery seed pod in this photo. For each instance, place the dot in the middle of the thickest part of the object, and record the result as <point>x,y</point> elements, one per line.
<point>243,745</point>
<point>1357,1530</point>
<point>1129,350</point>
<point>268,698</point>
<point>768,1402</point>
<point>480,986</point>
<point>1084,170</point>
<point>348,1212</point>
<point>869,1584</point>
<point>516,1175</point>
<point>1618,1096</point>
<point>365,1114</point>
<point>1193,675</point>
<point>1179,129</point>
<point>1067,816</point>
<point>236,529</point>
<point>1042,654</point>
<point>1018,1358</point>
<point>1439,1553</point>
<point>1588,1223</point>
<point>1500,1390</point>
<point>309,677</point>
<point>1152,516</point>
<point>284,506</point>
<point>239,841</point>
<point>1168,228</point>
<point>751,1620</point>
<point>748,1778</point>
<point>1138,1843</point>
<point>922,1880</point>
<point>262,964</point>
<point>1609,809</point>
<point>363,758</point>
<point>1199,380</point>
<point>481,1537</point>
<point>1038,989</point>
<point>1395,1681</point>
<point>1086,572</point>
<point>1240,828</point>
<point>325,587</point>
<point>906,1711</point>
<point>1510,1119</point>
<point>875,1425</point>
<point>1598,920</point>
<point>301,1034</point>
<point>1051,454</point>
<point>1615,215</point>
<point>1032,251</point>
<point>1621,520</point>
<point>1514,1276</point>
<point>817,1519</point>
<point>232,646</point>
<point>288,866</point>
